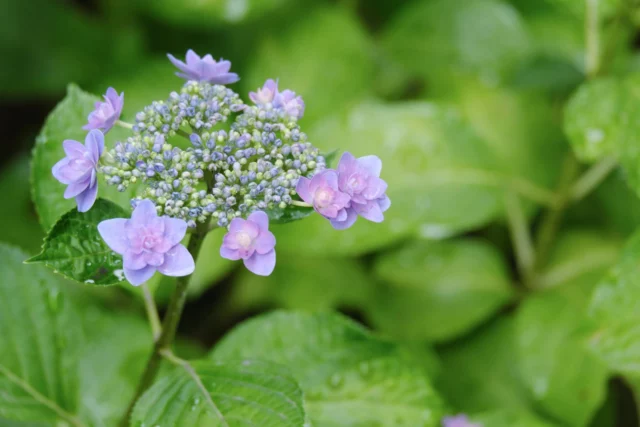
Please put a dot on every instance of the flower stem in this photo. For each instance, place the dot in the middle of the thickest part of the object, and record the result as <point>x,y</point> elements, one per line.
<point>593,177</point>
<point>152,312</point>
<point>521,238</point>
<point>124,124</point>
<point>169,324</point>
<point>553,218</point>
<point>301,204</point>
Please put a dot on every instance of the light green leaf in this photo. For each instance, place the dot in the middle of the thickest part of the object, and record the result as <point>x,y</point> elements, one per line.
<point>39,346</point>
<point>349,376</point>
<point>442,178</point>
<point>592,118</point>
<point>208,13</point>
<point>19,221</point>
<point>459,283</point>
<point>615,309</point>
<point>75,249</point>
<point>443,39</point>
<point>511,419</point>
<point>65,122</point>
<point>233,394</point>
<point>303,283</point>
<point>339,71</point>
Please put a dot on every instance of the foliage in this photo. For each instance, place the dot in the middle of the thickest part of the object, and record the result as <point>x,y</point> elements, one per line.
<point>518,314</point>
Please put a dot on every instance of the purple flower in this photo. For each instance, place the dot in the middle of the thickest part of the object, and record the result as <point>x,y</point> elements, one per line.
<point>265,94</point>
<point>458,421</point>
<point>323,193</point>
<point>360,179</point>
<point>78,170</point>
<point>290,103</point>
<point>251,241</point>
<point>106,113</point>
<point>204,69</point>
<point>148,243</point>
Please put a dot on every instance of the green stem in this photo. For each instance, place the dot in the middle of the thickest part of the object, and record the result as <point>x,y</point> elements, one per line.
<point>592,38</point>
<point>301,204</point>
<point>553,218</point>
<point>521,238</point>
<point>152,312</point>
<point>592,178</point>
<point>124,124</point>
<point>169,324</point>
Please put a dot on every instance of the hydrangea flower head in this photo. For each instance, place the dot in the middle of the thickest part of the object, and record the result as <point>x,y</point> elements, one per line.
<point>251,241</point>
<point>266,93</point>
<point>458,421</point>
<point>106,113</point>
<point>292,104</point>
<point>205,69</point>
<point>360,179</point>
<point>323,194</point>
<point>78,170</point>
<point>148,243</point>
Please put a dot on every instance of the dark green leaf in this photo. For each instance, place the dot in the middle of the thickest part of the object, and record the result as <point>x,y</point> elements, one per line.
<point>65,122</point>
<point>75,249</point>
<point>233,394</point>
<point>288,214</point>
<point>349,377</point>
<point>459,283</point>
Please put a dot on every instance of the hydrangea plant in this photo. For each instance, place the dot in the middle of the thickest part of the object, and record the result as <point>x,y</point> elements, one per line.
<point>199,160</point>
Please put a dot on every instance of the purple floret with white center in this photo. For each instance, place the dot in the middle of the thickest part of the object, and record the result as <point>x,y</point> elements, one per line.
<point>250,240</point>
<point>266,94</point>
<point>323,194</point>
<point>292,104</point>
<point>148,243</point>
<point>205,69</point>
<point>458,421</point>
<point>78,170</point>
<point>360,179</point>
<point>107,113</point>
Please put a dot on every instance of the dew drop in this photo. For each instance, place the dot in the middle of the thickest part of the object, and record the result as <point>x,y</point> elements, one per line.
<point>336,380</point>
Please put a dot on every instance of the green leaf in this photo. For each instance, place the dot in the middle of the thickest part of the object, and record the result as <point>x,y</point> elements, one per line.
<point>303,283</point>
<point>19,221</point>
<point>65,122</point>
<point>620,206</point>
<point>443,39</point>
<point>442,178</point>
<point>207,13</point>
<point>75,249</point>
<point>481,373</point>
<point>592,118</point>
<point>119,344</point>
<point>243,393</point>
<point>615,309</point>
<point>349,377</point>
<point>338,73</point>
<point>460,283</point>
<point>510,419</point>
<point>567,381</point>
<point>39,347</point>
<point>288,214</point>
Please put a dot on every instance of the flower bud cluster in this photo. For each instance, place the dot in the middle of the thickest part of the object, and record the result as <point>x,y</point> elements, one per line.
<point>253,164</point>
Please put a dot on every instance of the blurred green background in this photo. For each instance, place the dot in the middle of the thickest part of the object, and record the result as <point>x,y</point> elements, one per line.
<point>456,96</point>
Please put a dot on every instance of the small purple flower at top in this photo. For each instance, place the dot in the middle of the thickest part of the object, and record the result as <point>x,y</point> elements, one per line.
<point>291,104</point>
<point>78,170</point>
<point>266,93</point>
<point>205,69</point>
<point>323,194</point>
<point>251,241</point>
<point>148,243</point>
<point>360,179</point>
<point>458,421</point>
<point>106,113</point>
